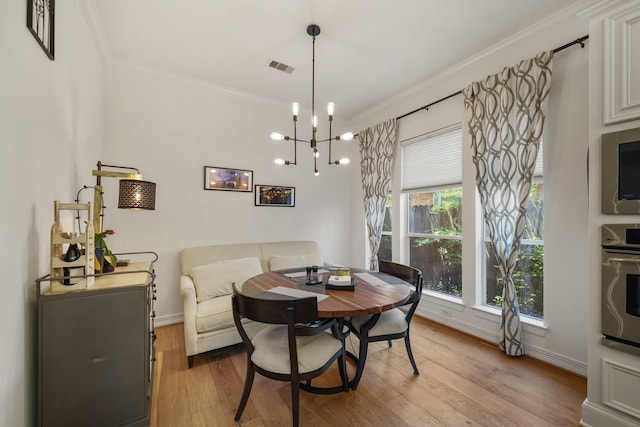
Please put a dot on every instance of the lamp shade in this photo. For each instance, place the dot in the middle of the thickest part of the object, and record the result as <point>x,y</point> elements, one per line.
<point>137,194</point>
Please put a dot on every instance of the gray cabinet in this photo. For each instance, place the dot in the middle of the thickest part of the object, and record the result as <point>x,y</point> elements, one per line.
<point>96,352</point>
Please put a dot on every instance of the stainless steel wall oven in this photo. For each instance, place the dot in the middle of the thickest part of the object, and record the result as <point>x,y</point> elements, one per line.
<point>621,283</point>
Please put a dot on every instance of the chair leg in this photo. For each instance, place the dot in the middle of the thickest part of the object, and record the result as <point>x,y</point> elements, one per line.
<point>407,343</point>
<point>362,359</point>
<point>390,343</point>
<point>342,366</point>
<point>190,361</point>
<point>248,383</point>
<point>295,402</point>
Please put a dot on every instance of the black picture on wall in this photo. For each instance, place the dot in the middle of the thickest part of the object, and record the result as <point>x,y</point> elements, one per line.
<point>275,195</point>
<point>40,21</point>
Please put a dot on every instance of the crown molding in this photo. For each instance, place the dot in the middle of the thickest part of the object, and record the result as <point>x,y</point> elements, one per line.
<point>605,7</point>
<point>570,11</point>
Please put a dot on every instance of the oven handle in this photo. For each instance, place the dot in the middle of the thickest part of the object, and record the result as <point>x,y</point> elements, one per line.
<point>631,260</point>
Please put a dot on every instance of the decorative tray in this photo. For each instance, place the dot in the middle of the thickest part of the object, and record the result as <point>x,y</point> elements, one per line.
<point>340,283</point>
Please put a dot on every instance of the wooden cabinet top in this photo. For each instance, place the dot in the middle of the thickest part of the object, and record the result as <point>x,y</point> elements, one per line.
<point>134,274</point>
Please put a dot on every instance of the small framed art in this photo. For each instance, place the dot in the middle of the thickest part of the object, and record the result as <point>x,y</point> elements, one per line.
<point>216,178</point>
<point>41,23</point>
<point>274,195</point>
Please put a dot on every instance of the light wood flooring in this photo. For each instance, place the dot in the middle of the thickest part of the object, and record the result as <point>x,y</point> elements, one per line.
<point>463,381</point>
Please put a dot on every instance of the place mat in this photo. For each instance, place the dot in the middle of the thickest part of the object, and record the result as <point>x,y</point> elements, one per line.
<point>380,279</point>
<point>296,293</point>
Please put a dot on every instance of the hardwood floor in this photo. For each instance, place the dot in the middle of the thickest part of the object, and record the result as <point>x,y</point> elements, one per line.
<point>463,381</point>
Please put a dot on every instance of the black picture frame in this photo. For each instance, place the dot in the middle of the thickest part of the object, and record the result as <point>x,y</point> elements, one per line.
<point>41,23</point>
<point>275,195</point>
<point>228,179</point>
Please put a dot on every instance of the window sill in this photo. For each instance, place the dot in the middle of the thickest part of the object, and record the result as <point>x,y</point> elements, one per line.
<point>448,301</point>
<point>529,324</point>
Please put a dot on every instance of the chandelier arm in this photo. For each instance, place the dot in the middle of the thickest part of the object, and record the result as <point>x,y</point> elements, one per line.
<point>335,138</point>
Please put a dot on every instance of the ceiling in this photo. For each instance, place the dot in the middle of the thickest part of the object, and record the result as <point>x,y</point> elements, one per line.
<point>367,51</point>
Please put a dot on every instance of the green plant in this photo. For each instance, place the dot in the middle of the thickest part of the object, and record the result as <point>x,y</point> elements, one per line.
<point>101,243</point>
<point>528,278</point>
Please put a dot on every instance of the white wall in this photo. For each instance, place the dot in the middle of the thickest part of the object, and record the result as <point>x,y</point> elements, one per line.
<point>170,128</point>
<point>51,132</point>
<point>563,337</point>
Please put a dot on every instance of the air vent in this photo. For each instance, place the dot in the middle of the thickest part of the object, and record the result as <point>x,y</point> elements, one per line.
<point>280,66</point>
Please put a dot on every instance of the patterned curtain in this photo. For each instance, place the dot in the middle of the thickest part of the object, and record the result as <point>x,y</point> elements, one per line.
<point>376,152</point>
<point>506,114</point>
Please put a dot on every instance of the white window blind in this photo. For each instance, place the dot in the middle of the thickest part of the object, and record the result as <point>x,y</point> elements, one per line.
<point>433,161</point>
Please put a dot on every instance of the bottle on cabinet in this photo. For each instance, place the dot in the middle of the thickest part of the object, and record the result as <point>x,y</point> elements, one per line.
<point>73,254</point>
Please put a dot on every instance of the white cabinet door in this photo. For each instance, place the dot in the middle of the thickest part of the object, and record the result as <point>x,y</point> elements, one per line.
<point>622,65</point>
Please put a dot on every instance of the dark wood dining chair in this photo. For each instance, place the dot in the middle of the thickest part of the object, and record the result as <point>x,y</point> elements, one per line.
<point>391,324</point>
<point>295,347</point>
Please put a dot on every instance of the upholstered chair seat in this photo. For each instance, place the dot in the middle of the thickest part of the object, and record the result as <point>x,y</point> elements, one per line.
<point>391,322</point>
<point>271,350</point>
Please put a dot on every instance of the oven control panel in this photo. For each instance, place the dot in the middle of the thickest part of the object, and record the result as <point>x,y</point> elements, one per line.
<point>621,235</point>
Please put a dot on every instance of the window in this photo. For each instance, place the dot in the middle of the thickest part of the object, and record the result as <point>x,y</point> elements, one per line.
<point>385,242</point>
<point>432,178</point>
<point>529,271</point>
<point>435,239</point>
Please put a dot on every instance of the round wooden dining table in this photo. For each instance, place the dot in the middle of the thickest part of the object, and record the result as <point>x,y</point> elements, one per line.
<point>373,292</point>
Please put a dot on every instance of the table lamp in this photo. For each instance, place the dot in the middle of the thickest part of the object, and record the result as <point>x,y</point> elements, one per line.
<point>134,193</point>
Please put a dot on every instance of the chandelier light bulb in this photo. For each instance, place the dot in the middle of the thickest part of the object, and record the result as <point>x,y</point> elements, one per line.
<point>316,154</point>
<point>277,136</point>
<point>344,161</point>
<point>316,173</point>
<point>295,107</point>
<point>330,108</point>
<point>279,162</point>
<point>347,136</point>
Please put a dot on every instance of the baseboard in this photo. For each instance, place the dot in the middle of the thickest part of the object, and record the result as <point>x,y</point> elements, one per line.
<point>596,416</point>
<point>556,359</point>
<point>542,354</point>
<point>168,320</point>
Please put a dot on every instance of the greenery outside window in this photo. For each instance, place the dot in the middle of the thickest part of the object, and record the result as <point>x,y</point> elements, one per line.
<point>435,238</point>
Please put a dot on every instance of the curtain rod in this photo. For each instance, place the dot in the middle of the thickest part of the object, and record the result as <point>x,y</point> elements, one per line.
<point>580,41</point>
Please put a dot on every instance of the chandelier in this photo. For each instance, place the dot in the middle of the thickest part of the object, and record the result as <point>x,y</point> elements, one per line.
<point>313,31</point>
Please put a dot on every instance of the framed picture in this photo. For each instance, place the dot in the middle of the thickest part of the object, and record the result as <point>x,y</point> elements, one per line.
<point>216,178</point>
<point>273,195</point>
<point>40,21</point>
